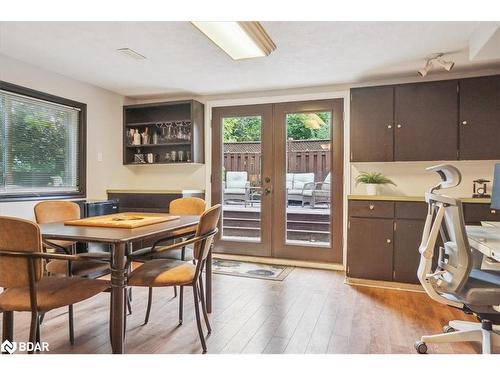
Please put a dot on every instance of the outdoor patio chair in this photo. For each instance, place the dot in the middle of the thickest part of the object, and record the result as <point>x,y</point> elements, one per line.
<point>317,192</point>
<point>295,184</point>
<point>236,187</point>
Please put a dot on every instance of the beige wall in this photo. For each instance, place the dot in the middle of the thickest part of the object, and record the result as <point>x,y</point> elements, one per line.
<point>104,121</point>
<point>412,179</point>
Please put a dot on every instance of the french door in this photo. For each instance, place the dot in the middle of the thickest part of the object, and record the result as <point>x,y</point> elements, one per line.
<point>277,171</point>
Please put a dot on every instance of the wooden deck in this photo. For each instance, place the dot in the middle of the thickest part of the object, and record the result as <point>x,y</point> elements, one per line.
<point>311,311</point>
<point>304,224</point>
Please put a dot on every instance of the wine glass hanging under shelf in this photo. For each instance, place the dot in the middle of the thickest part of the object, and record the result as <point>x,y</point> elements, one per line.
<point>159,133</point>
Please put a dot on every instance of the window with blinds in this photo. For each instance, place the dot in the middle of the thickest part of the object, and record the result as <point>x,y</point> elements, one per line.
<point>39,147</point>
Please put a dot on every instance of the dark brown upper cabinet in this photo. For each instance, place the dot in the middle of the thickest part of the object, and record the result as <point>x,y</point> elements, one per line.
<point>372,124</point>
<point>426,120</point>
<point>480,118</point>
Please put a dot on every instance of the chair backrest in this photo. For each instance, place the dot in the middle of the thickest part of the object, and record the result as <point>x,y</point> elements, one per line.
<point>54,211</point>
<point>289,180</point>
<point>187,206</point>
<point>300,179</point>
<point>326,184</point>
<point>22,236</point>
<point>445,218</point>
<point>208,222</point>
<point>236,179</point>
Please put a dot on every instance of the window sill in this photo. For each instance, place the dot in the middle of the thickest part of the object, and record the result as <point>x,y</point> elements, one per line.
<point>30,197</point>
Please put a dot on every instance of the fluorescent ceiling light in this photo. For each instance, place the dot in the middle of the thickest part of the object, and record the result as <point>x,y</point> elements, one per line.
<point>240,40</point>
<point>131,53</point>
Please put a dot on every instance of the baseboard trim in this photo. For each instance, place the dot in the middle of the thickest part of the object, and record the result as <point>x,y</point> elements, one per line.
<point>281,262</point>
<point>384,284</point>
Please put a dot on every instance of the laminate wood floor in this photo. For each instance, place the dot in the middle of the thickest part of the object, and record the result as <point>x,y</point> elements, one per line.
<point>311,311</point>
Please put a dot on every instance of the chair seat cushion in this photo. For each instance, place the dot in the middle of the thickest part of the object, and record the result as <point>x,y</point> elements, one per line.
<point>482,289</point>
<point>163,272</point>
<point>52,293</point>
<point>295,192</point>
<point>78,268</point>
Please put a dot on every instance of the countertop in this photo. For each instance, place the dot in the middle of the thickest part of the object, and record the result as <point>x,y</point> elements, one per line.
<point>402,198</point>
<point>155,191</point>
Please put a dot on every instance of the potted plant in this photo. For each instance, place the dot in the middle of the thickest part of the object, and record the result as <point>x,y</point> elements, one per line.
<point>372,180</point>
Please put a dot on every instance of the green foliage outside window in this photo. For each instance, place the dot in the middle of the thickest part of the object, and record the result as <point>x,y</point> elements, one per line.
<point>299,127</point>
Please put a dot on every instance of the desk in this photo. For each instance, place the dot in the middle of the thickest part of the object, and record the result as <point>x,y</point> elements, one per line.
<point>120,241</point>
<point>485,239</point>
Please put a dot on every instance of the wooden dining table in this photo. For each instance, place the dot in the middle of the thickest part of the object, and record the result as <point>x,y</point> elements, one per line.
<point>120,242</point>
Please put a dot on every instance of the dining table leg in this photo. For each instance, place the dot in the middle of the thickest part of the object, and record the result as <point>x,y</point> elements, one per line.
<point>118,290</point>
<point>8,326</point>
<point>208,281</point>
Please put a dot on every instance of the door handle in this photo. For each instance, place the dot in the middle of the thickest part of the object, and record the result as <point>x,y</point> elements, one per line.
<point>267,191</point>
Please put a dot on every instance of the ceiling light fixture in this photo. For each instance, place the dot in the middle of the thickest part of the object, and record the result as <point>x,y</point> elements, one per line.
<point>240,40</point>
<point>438,60</point>
<point>131,53</point>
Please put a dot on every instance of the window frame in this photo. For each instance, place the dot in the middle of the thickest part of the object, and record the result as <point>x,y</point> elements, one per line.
<point>82,145</point>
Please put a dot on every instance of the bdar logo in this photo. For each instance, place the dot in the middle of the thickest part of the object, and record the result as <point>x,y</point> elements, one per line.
<point>8,347</point>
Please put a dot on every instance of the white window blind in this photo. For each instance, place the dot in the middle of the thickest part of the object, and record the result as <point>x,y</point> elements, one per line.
<point>39,151</point>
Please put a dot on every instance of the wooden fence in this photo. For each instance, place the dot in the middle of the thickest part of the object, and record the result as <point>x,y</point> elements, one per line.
<point>302,158</point>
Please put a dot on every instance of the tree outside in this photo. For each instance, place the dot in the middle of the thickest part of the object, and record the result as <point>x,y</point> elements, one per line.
<point>41,145</point>
<point>300,126</point>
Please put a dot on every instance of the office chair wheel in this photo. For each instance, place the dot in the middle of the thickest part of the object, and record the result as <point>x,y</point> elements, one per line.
<point>421,347</point>
<point>448,329</point>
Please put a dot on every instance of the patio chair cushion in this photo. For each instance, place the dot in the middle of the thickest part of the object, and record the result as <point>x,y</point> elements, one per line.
<point>235,191</point>
<point>295,192</point>
<point>300,179</point>
<point>236,179</point>
<point>307,193</point>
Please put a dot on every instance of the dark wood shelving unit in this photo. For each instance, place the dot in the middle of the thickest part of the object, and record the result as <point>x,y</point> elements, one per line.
<point>157,117</point>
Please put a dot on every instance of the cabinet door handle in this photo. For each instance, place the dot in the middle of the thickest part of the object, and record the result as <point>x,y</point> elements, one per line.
<point>371,206</point>
<point>389,126</point>
<point>399,126</point>
<point>388,240</point>
<point>464,122</point>
<point>493,211</point>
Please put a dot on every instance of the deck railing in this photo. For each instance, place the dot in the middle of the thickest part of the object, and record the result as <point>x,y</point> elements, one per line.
<point>303,157</point>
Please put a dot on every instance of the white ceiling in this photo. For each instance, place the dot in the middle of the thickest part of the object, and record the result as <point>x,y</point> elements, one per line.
<point>182,60</point>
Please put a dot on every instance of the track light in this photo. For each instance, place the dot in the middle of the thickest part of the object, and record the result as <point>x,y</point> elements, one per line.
<point>438,60</point>
<point>426,69</point>
<point>447,65</point>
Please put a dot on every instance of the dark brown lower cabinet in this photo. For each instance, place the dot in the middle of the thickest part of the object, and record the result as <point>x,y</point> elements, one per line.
<point>384,237</point>
<point>407,238</point>
<point>370,248</point>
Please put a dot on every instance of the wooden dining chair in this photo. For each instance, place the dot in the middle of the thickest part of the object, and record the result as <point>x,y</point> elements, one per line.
<point>180,206</point>
<point>172,272</point>
<point>59,211</point>
<point>26,288</point>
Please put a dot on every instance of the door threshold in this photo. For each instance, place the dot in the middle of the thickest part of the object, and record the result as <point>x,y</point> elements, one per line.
<point>281,261</point>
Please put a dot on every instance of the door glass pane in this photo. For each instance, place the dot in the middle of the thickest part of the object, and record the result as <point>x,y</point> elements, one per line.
<point>308,180</point>
<point>241,178</point>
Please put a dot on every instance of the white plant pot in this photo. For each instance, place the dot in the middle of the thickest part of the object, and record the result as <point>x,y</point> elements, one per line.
<point>371,189</point>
